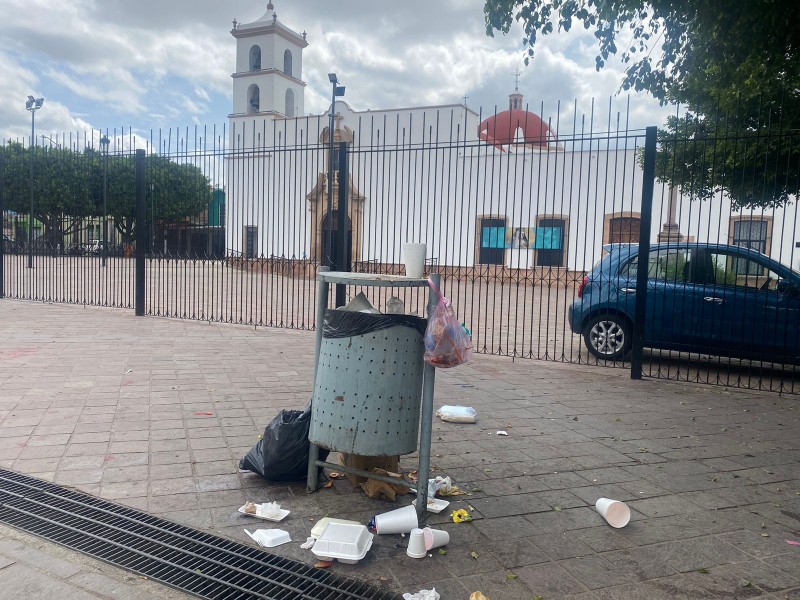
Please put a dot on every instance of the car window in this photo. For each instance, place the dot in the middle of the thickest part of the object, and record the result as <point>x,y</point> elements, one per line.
<point>665,264</point>
<point>731,269</point>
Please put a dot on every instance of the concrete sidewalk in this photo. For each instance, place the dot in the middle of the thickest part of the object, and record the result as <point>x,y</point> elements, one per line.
<point>155,414</point>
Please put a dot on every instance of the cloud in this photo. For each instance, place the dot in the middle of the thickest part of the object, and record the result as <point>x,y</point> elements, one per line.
<point>151,62</point>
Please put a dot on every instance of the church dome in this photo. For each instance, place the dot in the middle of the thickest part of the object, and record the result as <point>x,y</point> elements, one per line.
<point>516,127</point>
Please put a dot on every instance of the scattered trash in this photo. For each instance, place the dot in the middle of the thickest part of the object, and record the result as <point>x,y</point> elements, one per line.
<point>328,485</point>
<point>431,594</point>
<point>416,544</point>
<point>336,475</point>
<point>479,596</point>
<point>615,512</point>
<point>443,486</point>
<point>346,543</point>
<point>502,433</point>
<point>446,342</point>
<point>204,413</point>
<point>792,543</point>
<point>435,538</point>
<point>435,505</point>
<point>320,526</point>
<point>323,564</point>
<point>395,306</point>
<point>400,520</point>
<point>457,414</point>
<point>269,538</point>
<point>309,543</point>
<point>271,511</point>
<point>282,454</point>
<point>460,516</point>
<point>474,555</point>
<point>361,304</point>
<point>375,488</point>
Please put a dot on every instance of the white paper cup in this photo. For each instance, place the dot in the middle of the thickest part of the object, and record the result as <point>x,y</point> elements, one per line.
<point>415,259</point>
<point>416,544</point>
<point>435,538</point>
<point>400,520</point>
<point>615,512</point>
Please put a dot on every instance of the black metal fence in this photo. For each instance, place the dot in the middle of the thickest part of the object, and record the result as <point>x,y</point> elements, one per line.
<point>235,222</point>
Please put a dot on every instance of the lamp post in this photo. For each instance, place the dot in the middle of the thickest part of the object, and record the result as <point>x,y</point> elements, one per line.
<point>338,90</point>
<point>104,144</point>
<point>32,104</point>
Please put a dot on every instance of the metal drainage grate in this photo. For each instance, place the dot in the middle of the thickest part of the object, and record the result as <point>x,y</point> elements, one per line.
<point>189,560</point>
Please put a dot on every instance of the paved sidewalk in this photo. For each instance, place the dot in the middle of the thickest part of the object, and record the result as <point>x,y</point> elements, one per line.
<point>155,413</point>
<point>31,568</point>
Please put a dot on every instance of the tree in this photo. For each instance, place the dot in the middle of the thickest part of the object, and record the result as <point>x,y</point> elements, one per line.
<point>68,188</point>
<point>734,66</point>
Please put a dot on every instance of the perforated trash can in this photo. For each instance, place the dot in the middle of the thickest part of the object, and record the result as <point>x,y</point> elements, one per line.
<point>369,384</point>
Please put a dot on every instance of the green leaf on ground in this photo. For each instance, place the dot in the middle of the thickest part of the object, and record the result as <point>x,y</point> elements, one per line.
<point>557,508</point>
<point>510,576</point>
<point>442,551</point>
<point>474,555</point>
<point>748,584</point>
<point>703,570</point>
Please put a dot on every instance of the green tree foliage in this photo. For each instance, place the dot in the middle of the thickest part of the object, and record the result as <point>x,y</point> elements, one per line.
<point>733,65</point>
<point>68,188</point>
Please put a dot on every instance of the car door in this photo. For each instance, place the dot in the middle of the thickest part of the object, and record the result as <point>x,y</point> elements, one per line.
<point>664,323</point>
<point>758,320</point>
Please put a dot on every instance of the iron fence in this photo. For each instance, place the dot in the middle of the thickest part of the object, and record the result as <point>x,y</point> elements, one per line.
<point>237,220</point>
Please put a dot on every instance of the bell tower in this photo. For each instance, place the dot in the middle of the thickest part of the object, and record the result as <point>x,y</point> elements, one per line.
<point>268,81</point>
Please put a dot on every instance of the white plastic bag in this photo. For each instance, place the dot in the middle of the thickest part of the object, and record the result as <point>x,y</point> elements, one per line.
<point>457,414</point>
<point>423,595</point>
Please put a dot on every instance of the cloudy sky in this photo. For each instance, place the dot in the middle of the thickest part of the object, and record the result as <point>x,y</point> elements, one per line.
<point>156,64</point>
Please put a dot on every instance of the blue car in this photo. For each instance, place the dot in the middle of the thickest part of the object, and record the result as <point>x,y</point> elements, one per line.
<point>701,298</point>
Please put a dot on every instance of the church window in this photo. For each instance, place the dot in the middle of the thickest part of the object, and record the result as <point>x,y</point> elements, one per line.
<point>253,99</point>
<point>255,58</point>
<point>290,104</point>
<point>287,62</point>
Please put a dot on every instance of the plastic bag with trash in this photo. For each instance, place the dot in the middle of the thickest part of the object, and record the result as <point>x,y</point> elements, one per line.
<point>446,343</point>
<point>457,414</point>
<point>282,454</point>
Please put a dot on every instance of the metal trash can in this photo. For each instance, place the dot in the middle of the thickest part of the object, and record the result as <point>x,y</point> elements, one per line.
<point>368,386</point>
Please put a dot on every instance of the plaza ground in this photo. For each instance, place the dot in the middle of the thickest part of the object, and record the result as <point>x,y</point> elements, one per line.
<point>155,414</point>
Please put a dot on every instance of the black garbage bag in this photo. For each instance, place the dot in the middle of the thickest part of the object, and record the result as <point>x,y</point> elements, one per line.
<point>282,454</point>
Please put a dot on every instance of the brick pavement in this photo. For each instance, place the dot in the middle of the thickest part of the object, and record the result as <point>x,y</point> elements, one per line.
<point>155,413</point>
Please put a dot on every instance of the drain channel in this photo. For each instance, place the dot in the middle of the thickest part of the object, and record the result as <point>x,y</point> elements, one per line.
<point>186,559</point>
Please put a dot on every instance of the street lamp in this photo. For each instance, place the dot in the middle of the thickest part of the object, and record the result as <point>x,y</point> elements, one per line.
<point>32,104</point>
<point>338,90</point>
<point>104,144</point>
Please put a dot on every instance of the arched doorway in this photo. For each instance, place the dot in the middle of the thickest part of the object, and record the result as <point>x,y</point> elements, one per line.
<point>330,227</point>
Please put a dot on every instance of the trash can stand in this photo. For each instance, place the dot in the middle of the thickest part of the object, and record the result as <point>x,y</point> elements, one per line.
<point>325,277</point>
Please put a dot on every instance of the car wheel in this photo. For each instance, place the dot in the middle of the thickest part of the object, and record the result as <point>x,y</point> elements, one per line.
<point>608,337</point>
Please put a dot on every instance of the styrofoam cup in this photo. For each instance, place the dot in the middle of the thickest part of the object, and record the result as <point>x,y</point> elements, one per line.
<point>416,544</point>
<point>415,259</point>
<point>400,520</point>
<point>435,538</point>
<point>615,512</point>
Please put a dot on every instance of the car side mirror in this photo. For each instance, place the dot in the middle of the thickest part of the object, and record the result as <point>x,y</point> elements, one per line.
<point>787,287</point>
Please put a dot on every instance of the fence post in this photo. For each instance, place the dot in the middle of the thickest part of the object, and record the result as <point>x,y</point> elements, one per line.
<point>2,235</point>
<point>343,260</point>
<point>141,232</point>
<point>648,183</point>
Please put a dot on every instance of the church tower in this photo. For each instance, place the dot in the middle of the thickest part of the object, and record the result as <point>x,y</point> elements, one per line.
<point>268,81</point>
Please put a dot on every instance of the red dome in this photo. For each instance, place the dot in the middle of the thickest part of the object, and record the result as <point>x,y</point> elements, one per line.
<point>501,129</point>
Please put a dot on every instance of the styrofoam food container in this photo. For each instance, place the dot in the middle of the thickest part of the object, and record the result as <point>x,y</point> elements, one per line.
<point>344,542</point>
<point>435,505</point>
<point>320,526</point>
<point>269,538</point>
<point>279,516</point>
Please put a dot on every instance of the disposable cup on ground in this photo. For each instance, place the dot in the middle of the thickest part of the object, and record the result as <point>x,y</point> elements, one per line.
<point>615,512</point>
<point>415,259</point>
<point>416,544</point>
<point>400,520</point>
<point>435,538</point>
